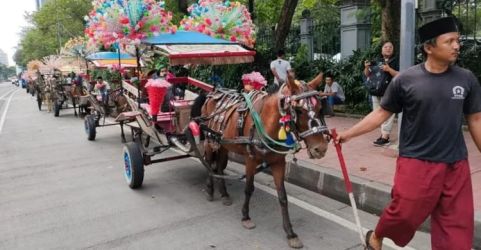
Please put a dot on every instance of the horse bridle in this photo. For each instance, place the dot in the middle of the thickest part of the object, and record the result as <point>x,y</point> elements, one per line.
<point>303,101</point>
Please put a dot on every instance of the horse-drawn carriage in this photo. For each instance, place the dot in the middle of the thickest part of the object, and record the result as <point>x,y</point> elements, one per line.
<point>245,123</point>
<point>67,95</point>
<point>104,108</point>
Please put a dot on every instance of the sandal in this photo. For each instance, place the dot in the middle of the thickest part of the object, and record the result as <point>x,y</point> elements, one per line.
<point>368,237</point>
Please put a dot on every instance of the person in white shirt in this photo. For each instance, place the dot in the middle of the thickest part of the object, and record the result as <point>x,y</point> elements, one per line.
<point>280,68</point>
<point>102,89</point>
<point>333,92</point>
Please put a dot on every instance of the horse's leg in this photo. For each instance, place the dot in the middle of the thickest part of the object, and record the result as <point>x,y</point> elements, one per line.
<point>74,106</point>
<point>209,185</point>
<point>222,159</point>
<point>249,189</point>
<point>278,172</point>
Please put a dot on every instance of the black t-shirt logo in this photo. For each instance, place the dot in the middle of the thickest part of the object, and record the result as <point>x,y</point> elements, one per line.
<point>458,92</point>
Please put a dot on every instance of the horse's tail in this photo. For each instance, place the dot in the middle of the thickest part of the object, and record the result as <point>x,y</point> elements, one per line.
<point>196,110</point>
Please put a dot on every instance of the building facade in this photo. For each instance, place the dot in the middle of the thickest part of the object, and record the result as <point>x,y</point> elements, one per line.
<point>40,3</point>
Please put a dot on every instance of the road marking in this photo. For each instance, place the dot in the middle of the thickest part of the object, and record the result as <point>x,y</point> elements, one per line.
<point>325,214</point>
<point>315,210</point>
<point>8,92</point>
<point>4,115</point>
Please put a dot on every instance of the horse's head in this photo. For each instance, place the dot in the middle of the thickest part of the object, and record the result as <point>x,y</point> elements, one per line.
<point>304,106</point>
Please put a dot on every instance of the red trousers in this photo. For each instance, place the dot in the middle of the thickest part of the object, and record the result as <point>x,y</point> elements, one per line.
<point>422,188</point>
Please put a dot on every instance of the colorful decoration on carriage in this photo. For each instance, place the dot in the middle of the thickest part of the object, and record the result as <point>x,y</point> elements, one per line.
<point>126,21</point>
<point>156,89</point>
<point>285,132</point>
<point>255,79</point>
<point>226,20</point>
<point>33,67</point>
<point>78,47</point>
<point>52,63</point>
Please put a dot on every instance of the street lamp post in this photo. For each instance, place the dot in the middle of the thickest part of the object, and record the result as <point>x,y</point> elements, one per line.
<point>408,31</point>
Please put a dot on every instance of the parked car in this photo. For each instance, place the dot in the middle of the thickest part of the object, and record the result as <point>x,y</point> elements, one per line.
<point>14,81</point>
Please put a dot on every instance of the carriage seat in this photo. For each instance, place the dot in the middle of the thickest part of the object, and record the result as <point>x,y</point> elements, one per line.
<point>161,116</point>
<point>181,103</point>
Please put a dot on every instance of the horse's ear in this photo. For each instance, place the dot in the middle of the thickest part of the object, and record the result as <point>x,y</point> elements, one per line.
<point>291,83</point>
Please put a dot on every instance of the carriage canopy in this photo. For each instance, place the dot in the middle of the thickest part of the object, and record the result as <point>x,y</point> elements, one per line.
<point>190,47</point>
<point>111,59</point>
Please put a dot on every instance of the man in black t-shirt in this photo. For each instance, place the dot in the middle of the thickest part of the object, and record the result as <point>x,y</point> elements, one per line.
<point>432,173</point>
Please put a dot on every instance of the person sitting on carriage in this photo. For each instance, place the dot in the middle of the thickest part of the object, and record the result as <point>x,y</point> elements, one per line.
<point>174,91</point>
<point>253,81</point>
<point>102,88</point>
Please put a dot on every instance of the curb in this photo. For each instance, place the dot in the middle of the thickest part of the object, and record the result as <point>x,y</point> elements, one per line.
<point>370,196</point>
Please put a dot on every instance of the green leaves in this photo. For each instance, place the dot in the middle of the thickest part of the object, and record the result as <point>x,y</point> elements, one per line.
<point>6,72</point>
<point>52,26</point>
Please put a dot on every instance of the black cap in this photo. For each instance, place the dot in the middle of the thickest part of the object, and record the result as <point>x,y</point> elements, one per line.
<point>437,27</point>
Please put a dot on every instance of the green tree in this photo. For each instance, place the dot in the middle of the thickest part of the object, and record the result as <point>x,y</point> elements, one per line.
<point>6,72</point>
<point>284,22</point>
<point>391,20</point>
<point>51,26</point>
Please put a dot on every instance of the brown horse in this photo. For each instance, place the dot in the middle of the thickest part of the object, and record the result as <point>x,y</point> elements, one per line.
<point>300,109</point>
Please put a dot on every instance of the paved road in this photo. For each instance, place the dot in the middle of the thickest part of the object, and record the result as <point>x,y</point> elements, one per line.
<point>60,191</point>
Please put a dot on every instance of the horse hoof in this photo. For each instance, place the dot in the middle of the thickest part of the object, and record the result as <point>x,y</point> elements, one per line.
<point>208,197</point>
<point>226,201</point>
<point>295,243</point>
<point>248,224</point>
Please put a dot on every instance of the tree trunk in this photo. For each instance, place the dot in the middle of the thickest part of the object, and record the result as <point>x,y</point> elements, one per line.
<point>251,8</point>
<point>391,21</point>
<point>183,5</point>
<point>284,23</point>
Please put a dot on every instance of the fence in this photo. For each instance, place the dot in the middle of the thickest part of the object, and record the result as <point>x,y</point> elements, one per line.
<point>468,13</point>
<point>327,38</point>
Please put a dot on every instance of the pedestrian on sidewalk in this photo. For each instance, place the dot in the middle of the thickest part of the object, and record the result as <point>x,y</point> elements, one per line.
<point>280,68</point>
<point>333,92</point>
<point>432,172</point>
<point>378,75</point>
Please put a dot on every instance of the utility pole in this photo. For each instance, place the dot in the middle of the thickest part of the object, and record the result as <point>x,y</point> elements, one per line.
<point>408,31</point>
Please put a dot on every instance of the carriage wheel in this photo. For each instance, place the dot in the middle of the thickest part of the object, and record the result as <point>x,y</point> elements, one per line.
<point>56,109</point>
<point>89,123</point>
<point>134,165</point>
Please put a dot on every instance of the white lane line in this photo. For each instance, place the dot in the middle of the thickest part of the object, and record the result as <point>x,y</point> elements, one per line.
<point>8,92</point>
<point>4,115</point>
<point>329,216</point>
<point>317,211</point>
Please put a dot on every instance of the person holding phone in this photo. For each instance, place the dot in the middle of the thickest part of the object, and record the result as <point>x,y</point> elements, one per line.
<point>383,69</point>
